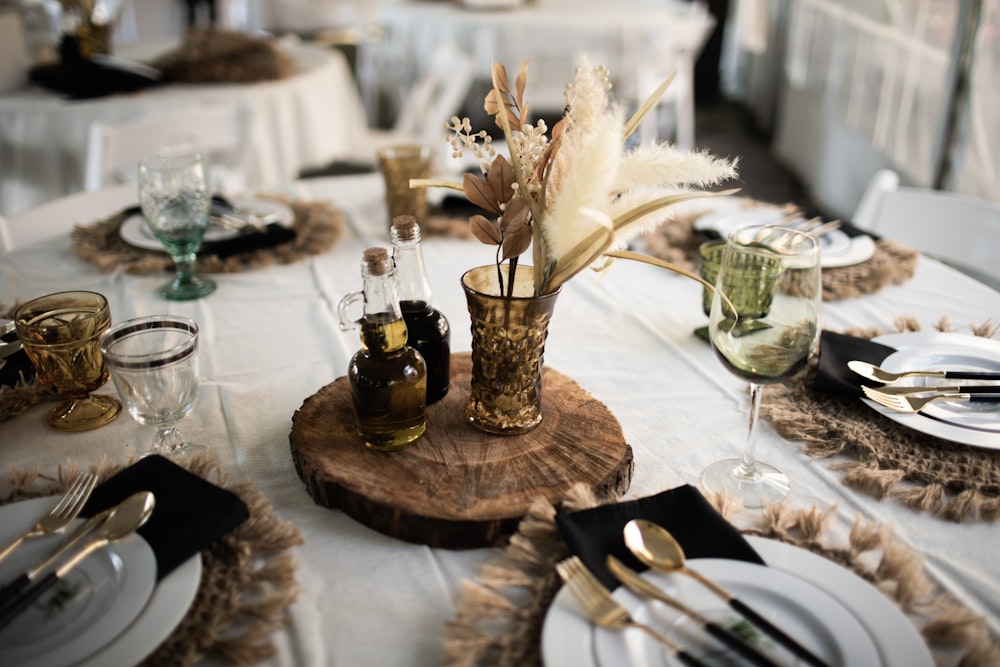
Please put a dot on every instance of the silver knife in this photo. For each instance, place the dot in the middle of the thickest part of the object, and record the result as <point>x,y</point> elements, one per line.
<point>969,389</point>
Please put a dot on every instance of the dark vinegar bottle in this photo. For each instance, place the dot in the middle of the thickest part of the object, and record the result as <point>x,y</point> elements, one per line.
<point>388,378</point>
<point>427,328</point>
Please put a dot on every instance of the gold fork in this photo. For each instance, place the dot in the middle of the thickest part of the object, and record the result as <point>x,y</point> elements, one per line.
<point>606,612</point>
<point>60,516</point>
<point>911,404</point>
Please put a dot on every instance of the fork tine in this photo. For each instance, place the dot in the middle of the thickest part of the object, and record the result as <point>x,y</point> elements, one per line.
<point>70,495</point>
<point>82,488</point>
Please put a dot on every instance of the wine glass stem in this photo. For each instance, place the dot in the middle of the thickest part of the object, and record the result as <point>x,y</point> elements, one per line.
<point>748,467</point>
<point>185,268</point>
<point>168,439</point>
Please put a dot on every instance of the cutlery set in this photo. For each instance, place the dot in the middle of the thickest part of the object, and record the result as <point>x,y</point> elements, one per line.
<point>913,399</point>
<point>93,534</point>
<point>655,547</point>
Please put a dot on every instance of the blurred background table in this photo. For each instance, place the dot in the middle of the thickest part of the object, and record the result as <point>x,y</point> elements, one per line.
<point>305,120</point>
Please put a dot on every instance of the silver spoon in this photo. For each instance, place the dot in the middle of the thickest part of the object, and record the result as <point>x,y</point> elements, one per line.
<point>656,548</point>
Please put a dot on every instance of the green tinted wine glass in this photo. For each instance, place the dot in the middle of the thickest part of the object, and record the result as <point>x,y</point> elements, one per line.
<point>175,200</point>
<point>771,276</point>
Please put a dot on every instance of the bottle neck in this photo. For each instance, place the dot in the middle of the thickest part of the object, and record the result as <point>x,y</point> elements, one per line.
<point>383,328</point>
<point>411,276</point>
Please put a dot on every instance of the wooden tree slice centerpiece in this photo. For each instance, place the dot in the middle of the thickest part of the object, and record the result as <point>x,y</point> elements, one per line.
<point>458,487</point>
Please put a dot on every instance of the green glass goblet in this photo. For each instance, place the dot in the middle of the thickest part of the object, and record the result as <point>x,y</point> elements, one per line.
<point>175,200</point>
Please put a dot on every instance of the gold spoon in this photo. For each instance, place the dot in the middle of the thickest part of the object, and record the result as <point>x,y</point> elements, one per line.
<point>657,549</point>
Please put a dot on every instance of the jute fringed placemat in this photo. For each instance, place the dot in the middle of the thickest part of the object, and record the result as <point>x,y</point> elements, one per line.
<point>676,241</point>
<point>247,580</point>
<point>885,459</point>
<point>317,227</point>
<point>214,55</point>
<point>500,614</point>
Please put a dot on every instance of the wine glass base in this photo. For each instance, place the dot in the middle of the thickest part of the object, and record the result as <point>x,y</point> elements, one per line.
<point>83,414</point>
<point>766,485</point>
<point>194,288</point>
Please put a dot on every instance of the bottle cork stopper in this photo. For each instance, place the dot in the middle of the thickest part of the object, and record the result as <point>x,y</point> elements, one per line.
<point>405,228</point>
<point>376,260</point>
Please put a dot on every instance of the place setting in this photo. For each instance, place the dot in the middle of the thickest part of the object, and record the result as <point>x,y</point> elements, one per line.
<point>708,595</point>
<point>180,224</point>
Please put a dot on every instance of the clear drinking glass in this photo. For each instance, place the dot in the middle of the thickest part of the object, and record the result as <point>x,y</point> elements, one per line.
<point>176,201</point>
<point>59,333</point>
<point>771,276</point>
<point>154,365</point>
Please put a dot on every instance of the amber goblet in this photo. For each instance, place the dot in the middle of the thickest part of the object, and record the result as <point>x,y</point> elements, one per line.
<point>59,333</point>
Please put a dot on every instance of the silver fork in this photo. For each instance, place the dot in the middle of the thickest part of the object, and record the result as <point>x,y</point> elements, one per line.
<point>904,403</point>
<point>60,516</point>
<point>606,612</point>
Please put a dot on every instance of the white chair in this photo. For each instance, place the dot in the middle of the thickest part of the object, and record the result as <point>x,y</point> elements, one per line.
<point>961,231</point>
<point>219,131</point>
<point>58,217</point>
<point>673,116</point>
<point>429,104</point>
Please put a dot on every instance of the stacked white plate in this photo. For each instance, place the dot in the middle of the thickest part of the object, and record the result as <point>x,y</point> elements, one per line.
<point>108,611</point>
<point>836,248</point>
<point>828,609</point>
<point>135,232</point>
<point>968,423</point>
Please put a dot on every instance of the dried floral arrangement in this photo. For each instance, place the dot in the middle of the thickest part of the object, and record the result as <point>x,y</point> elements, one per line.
<point>576,196</point>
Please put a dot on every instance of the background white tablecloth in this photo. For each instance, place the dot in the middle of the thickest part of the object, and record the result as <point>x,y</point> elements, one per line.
<point>305,120</point>
<point>270,340</point>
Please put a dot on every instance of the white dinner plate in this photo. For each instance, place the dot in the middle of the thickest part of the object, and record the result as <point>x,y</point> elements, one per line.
<point>134,231</point>
<point>805,612</point>
<point>836,248</point>
<point>171,599</point>
<point>78,616</point>
<point>568,638</point>
<point>976,424</point>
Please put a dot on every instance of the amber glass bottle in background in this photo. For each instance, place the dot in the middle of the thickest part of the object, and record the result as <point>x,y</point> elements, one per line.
<point>427,328</point>
<point>388,378</point>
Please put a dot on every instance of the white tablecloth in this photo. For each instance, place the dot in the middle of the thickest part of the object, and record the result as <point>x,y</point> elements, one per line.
<point>270,339</point>
<point>306,120</point>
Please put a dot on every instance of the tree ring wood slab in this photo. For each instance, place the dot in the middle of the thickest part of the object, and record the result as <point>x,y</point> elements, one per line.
<point>458,487</point>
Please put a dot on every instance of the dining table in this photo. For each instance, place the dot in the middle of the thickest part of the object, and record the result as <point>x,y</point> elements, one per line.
<point>304,120</point>
<point>270,339</point>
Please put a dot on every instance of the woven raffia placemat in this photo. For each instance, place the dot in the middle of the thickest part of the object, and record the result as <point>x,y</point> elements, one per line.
<point>498,621</point>
<point>676,241</point>
<point>247,578</point>
<point>317,226</point>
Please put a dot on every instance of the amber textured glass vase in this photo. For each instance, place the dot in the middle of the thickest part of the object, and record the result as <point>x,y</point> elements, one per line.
<point>508,340</point>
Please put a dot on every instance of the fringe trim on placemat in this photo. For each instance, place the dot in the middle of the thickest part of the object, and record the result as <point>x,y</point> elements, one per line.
<point>884,458</point>
<point>317,227</point>
<point>676,241</point>
<point>247,580</point>
<point>499,617</point>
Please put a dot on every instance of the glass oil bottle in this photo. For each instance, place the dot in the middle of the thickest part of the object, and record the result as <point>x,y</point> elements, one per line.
<point>388,378</point>
<point>427,328</point>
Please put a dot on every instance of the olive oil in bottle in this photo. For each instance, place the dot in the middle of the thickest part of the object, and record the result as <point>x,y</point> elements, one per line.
<point>388,378</point>
<point>427,328</point>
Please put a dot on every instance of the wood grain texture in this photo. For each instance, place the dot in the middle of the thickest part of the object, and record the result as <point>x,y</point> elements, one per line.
<point>458,487</point>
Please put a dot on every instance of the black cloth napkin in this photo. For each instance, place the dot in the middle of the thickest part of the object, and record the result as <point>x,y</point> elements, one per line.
<point>190,513</point>
<point>16,365</point>
<point>80,78</point>
<point>835,350</point>
<point>594,533</point>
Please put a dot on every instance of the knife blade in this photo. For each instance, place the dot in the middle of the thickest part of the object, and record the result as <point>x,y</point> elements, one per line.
<point>646,589</point>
